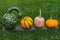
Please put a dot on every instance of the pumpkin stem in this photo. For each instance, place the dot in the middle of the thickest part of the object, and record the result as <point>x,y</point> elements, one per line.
<point>40,13</point>
<point>51,16</point>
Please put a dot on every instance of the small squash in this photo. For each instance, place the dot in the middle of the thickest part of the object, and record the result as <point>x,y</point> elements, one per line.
<point>51,23</point>
<point>9,20</point>
<point>26,22</point>
<point>39,21</point>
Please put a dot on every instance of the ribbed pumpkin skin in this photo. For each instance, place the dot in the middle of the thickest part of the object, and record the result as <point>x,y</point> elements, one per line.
<point>51,23</point>
<point>39,22</point>
<point>26,22</point>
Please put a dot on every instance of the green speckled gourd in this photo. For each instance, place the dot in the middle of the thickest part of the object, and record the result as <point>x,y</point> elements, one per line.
<point>9,19</point>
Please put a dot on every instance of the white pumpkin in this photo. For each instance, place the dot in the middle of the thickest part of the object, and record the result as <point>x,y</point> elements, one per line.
<point>39,21</point>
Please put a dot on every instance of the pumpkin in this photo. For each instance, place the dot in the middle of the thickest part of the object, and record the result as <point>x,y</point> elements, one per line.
<point>39,21</point>
<point>26,22</point>
<point>51,23</point>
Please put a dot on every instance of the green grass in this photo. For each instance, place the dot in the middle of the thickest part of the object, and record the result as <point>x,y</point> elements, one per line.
<point>31,8</point>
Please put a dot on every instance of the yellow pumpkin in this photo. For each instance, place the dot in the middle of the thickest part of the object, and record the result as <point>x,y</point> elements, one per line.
<point>26,22</point>
<point>51,23</point>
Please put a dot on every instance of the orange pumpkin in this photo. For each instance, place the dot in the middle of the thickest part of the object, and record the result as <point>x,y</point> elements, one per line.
<point>51,23</point>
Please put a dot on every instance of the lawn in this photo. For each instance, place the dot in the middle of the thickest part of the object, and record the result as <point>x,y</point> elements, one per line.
<point>31,8</point>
